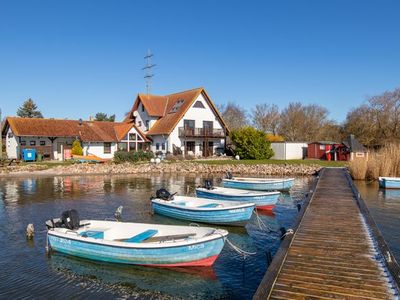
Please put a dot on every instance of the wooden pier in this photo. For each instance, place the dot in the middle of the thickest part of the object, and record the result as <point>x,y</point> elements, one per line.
<point>335,251</point>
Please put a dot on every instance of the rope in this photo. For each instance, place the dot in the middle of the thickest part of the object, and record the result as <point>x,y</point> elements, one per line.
<point>234,247</point>
<point>260,222</point>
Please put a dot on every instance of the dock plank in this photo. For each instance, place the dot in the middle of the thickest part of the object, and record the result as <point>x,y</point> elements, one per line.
<point>331,254</point>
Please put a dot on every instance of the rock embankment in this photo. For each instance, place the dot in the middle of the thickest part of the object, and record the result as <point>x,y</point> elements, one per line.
<point>184,167</point>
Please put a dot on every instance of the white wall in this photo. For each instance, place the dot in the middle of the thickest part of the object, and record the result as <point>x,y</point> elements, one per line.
<point>12,148</point>
<point>142,117</point>
<point>288,150</point>
<point>97,148</point>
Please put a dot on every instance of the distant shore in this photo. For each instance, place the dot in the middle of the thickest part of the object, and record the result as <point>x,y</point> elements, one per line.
<point>184,167</point>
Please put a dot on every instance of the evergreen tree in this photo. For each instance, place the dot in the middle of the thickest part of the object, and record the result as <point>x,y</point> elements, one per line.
<point>29,110</point>
<point>103,117</point>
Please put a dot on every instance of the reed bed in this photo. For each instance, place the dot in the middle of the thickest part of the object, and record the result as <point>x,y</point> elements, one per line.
<point>383,162</point>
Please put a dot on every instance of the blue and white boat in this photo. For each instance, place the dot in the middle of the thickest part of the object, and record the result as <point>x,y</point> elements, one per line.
<point>138,244</point>
<point>258,184</point>
<point>262,200</point>
<point>389,182</point>
<point>205,210</point>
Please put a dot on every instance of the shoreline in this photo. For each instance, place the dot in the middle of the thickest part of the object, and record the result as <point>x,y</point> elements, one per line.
<point>184,167</point>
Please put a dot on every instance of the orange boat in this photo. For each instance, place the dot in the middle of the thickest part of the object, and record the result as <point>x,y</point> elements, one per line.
<point>89,158</point>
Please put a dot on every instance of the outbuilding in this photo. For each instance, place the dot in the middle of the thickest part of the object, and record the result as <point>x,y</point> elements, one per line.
<point>289,150</point>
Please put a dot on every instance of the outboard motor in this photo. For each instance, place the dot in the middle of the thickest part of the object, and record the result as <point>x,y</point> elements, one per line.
<point>208,184</point>
<point>163,194</point>
<point>70,219</point>
<point>228,175</point>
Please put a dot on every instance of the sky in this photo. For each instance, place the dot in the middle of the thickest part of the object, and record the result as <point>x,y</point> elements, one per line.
<point>78,57</point>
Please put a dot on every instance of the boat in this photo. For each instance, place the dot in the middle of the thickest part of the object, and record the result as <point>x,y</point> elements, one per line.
<point>202,210</point>
<point>135,243</point>
<point>89,158</point>
<point>262,200</point>
<point>258,184</point>
<point>389,182</point>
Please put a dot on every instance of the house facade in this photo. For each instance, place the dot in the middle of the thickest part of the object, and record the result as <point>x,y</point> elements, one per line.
<point>53,138</point>
<point>185,123</point>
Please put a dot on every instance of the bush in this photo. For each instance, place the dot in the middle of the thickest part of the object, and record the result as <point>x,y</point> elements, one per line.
<point>132,156</point>
<point>76,148</point>
<point>251,143</point>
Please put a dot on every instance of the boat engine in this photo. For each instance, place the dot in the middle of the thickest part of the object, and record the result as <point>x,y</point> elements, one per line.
<point>164,194</point>
<point>208,184</point>
<point>228,175</point>
<point>70,219</point>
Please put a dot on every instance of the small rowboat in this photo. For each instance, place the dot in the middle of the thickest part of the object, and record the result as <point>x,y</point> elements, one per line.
<point>262,200</point>
<point>204,210</point>
<point>389,182</point>
<point>259,184</point>
<point>139,244</point>
<point>89,158</point>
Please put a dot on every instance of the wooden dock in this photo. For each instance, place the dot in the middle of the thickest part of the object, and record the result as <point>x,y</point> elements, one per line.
<point>335,250</point>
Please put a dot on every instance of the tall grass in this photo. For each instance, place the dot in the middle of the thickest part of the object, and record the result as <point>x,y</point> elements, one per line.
<point>384,162</point>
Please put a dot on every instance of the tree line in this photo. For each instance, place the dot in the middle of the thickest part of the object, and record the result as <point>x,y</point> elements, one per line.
<point>375,122</point>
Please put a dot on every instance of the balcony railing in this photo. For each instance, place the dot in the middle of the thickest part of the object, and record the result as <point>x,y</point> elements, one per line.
<point>201,132</point>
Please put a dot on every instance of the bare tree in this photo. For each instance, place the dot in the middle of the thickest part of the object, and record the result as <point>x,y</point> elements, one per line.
<point>266,117</point>
<point>233,115</point>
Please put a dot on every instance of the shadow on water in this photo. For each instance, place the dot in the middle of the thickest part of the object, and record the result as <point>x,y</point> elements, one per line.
<point>28,272</point>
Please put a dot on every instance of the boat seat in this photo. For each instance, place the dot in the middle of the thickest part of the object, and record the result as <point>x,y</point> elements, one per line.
<point>209,205</point>
<point>142,236</point>
<point>93,234</point>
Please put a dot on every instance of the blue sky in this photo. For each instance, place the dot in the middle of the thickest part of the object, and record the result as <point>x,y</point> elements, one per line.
<point>75,58</point>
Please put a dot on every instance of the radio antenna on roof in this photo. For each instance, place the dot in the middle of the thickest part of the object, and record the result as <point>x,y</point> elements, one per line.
<point>148,75</point>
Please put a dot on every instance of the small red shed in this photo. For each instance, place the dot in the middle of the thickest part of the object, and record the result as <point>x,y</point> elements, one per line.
<point>321,150</point>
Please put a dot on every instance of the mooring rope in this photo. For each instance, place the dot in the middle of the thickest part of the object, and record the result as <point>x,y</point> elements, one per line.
<point>260,222</point>
<point>234,247</point>
<point>289,231</point>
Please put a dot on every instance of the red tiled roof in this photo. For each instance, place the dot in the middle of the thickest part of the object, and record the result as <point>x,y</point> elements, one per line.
<point>88,131</point>
<point>161,106</point>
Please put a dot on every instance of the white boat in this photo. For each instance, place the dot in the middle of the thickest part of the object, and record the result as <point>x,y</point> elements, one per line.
<point>137,243</point>
<point>259,184</point>
<point>389,182</point>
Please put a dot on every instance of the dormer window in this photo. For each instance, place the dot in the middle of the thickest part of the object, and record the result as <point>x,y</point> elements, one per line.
<point>177,106</point>
<point>142,107</point>
<point>199,104</point>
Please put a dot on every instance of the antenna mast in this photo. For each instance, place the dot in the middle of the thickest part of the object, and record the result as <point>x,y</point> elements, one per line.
<point>148,75</point>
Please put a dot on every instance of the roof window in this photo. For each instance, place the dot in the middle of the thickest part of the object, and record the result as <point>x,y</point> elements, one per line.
<point>199,104</point>
<point>177,105</point>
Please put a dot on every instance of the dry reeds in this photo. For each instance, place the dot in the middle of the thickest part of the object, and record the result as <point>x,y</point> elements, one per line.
<point>384,162</point>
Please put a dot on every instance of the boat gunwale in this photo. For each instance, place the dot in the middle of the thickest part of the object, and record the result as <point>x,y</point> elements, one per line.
<point>253,193</point>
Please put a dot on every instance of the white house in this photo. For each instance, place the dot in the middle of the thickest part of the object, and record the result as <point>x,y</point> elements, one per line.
<point>289,150</point>
<point>186,122</point>
<point>53,138</point>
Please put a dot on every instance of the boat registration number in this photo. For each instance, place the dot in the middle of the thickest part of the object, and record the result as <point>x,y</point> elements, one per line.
<point>237,210</point>
<point>62,241</point>
<point>196,247</point>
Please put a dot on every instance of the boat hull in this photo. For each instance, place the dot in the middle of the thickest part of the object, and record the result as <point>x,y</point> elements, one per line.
<point>283,185</point>
<point>389,183</point>
<point>264,202</point>
<point>199,254</point>
<point>238,216</point>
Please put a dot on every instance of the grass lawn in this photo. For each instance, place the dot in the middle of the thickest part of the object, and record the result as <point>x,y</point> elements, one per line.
<point>322,163</point>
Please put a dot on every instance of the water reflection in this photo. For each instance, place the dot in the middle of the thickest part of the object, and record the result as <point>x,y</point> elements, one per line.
<point>34,200</point>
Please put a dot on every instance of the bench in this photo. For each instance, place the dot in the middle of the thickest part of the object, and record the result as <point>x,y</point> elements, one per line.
<point>141,236</point>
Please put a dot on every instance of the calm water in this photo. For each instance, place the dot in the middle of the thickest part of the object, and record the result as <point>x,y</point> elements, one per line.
<point>384,205</point>
<point>26,271</point>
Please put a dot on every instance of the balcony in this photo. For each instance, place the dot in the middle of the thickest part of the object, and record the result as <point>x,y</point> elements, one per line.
<point>201,132</point>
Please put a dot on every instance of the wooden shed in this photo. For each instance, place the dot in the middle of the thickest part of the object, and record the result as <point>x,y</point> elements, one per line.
<point>321,149</point>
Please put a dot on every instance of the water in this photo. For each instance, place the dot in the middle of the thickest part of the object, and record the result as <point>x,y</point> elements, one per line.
<point>26,270</point>
<point>384,206</point>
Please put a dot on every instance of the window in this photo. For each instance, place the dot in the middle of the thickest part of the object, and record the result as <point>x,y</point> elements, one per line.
<point>107,148</point>
<point>162,146</point>
<point>32,143</point>
<point>132,146</point>
<point>10,135</point>
<point>42,143</point>
<point>147,124</point>
<point>23,143</point>
<point>177,105</point>
<point>157,146</point>
<point>122,146</point>
<point>321,147</point>
<point>142,107</point>
<point>199,104</point>
<point>140,123</point>
<point>132,136</point>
